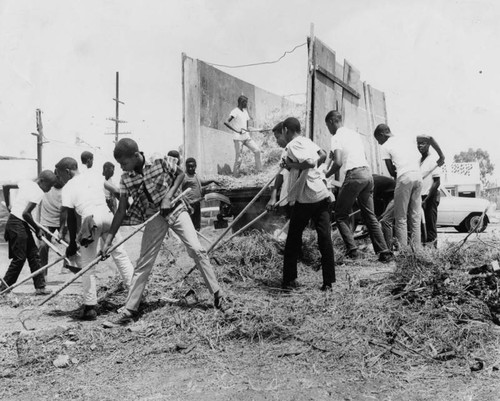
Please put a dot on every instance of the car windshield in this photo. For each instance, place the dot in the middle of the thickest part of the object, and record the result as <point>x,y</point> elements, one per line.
<point>444,191</point>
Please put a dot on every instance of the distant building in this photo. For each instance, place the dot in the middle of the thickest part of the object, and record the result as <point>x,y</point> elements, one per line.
<point>462,179</point>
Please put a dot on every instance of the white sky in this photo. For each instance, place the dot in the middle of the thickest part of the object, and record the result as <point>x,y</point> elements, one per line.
<point>435,60</point>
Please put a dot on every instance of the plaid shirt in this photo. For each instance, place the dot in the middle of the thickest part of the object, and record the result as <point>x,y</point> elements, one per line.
<point>148,189</point>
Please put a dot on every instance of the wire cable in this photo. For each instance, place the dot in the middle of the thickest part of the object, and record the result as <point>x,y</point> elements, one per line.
<point>261,63</point>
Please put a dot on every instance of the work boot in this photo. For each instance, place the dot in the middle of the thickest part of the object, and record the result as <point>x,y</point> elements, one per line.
<point>89,312</point>
<point>326,287</point>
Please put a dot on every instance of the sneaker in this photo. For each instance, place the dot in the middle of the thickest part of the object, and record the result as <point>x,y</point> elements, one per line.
<point>326,287</point>
<point>89,312</point>
<point>386,257</point>
<point>352,254</point>
<point>221,303</point>
<point>290,285</point>
<point>42,291</point>
<point>125,317</point>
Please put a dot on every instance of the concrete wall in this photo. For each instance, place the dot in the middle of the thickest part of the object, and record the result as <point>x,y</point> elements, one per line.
<point>209,95</point>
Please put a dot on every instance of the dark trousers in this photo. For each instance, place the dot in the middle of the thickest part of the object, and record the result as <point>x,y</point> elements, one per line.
<point>301,214</point>
<point>44,248</point>
<point>430,213</point>
<point>196,215</point>
<point>358,184</point>
<point>21,247</point>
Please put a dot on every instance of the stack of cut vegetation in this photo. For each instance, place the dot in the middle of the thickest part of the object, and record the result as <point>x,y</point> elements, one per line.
<point>437,311</point>
<point>270,154</point>
<point>423,313</point>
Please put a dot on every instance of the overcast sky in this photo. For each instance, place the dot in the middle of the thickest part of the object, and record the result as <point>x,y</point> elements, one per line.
<point>436,61</point>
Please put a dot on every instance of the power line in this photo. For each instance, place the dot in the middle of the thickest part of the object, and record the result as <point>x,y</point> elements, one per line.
<point>261,63</point>
<point>81,143</point>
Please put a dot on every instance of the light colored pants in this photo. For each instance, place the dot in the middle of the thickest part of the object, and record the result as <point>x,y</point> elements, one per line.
<point>152,239</point>
<point>407,207</point>
<point>387,223</point>
<point>250,144</point>
<point>88,254</point>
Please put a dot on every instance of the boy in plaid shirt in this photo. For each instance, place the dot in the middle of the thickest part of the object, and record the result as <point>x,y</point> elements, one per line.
<point>152,186</point>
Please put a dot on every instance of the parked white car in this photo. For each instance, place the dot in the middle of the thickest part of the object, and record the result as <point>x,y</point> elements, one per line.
<point>464,214</point>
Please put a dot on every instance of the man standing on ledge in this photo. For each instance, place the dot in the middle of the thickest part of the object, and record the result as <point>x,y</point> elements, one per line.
<point>238,122</point>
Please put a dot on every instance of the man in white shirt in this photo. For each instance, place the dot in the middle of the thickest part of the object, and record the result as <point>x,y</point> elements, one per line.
<point>402,160</point>
<point>51,218</point>
<point>280,185</point>
<point>83,195</point>
<point>17,231</point>
<point>238,123</point>
<point>431,179</point>
<point>310,199</point>
<point>347,150</point>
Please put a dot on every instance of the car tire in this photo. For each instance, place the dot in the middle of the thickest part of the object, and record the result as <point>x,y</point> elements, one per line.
<point>471,223</point>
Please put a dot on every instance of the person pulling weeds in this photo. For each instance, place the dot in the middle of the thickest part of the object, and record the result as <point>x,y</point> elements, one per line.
<point>17,231</point>
<point>152,186</point>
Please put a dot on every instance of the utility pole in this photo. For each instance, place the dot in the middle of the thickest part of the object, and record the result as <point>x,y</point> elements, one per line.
<point>40,140</point>
<point>116,119</point>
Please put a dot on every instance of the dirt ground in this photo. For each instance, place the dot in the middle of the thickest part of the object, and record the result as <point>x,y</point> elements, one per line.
<point>149,361</point>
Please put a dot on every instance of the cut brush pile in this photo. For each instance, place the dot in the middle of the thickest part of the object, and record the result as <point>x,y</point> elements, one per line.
<point>429,312</point>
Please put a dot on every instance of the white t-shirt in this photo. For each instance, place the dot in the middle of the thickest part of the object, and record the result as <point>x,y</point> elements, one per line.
<point>50,208</point>
<point>108,194</point>
<point>284,187</point>
<point>29,192</point>
<point>404,154</point>
<point>351,145</point>
<point>428,174</point>
<point>239,122</point>
<point>310,188</point>
<point>84,193</point>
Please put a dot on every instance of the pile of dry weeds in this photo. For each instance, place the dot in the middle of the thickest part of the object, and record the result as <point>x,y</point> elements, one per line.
<point>424,313</point>
<point>270,153</point>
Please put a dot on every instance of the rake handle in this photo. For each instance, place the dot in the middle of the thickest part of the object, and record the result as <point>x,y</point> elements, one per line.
<point>99,258</point>
<point>240,215</point>
<point>46,230</point>
<point>39,271</point>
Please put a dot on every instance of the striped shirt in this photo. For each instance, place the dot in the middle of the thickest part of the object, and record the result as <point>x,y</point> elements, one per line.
<point>148,189</point>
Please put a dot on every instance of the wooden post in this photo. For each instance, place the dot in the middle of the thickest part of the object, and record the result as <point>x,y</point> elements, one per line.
<point>116,118</point>
<point>39,141</point>
<point>117,114</point>
<point>310,85</point>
